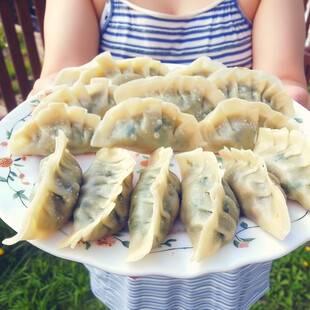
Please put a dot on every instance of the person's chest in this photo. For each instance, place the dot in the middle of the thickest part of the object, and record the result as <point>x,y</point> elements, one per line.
<point>182,7</point>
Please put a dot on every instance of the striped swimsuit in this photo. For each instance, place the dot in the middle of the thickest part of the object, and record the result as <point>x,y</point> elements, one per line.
<point>220,31</point>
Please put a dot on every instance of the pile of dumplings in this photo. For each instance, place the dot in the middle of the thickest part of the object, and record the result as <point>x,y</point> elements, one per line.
<point>231,130</point>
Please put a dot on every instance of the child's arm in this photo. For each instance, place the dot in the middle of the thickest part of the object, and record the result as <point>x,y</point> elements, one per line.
<point>278,44</point>
<point>71,33</point>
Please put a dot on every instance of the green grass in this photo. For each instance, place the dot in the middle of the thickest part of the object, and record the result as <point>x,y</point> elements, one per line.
<point>33,279</point>
<point>289,282</point>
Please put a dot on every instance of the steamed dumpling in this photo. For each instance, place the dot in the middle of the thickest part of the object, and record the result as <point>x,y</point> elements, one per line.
<point>96,97</point>
<point>54,194</point>
<point>193,95</point>
<point>144,125</point>
<point>287,156</point>
<point>118,72</point>
<point>261,200</point>
<point>102,65</point>
<point>37,136</point>
<point>154,205</point>
<point>202,66</point>
<point>103,205</point>
<point>209,214</point>
<point>137,68</point>
<point>235,123</point>
<point>254,85</point>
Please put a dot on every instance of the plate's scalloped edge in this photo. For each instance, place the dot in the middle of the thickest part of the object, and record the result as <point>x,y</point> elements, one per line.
<point>145,268</point>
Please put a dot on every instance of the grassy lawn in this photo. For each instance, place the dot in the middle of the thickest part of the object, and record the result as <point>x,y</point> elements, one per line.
<point>33,279</point>
<point>289,282</point>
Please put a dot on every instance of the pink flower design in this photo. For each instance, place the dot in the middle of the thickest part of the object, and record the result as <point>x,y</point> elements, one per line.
<point>107,241</point>
<point>243,242</point>
<point>243,245</point>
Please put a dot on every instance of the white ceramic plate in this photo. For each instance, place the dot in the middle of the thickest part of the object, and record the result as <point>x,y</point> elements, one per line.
<point>173,258</point>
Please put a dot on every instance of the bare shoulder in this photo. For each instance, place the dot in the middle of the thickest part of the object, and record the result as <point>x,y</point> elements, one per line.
<point>98,6</point>
<point>249,8</point>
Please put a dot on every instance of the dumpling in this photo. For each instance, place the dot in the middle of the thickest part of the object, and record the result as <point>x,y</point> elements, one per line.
<point>193,95</point>
<point>102,65</point>
<point>96,97</point>
<point>202,66</point>
<point>137,68</point>
<point>287,156</point>
<point>260,199</point>
<point>37,136</point>
<point>235,123</point>
<point>103,205</point>
<point>54,195</point>
<point>143,125</point>
<point>209,214</point>
<point>154,205</point>
<point>119,72</point>
<point>254,85</point>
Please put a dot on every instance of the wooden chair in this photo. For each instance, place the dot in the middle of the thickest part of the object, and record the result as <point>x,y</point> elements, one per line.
<point>10,13</point>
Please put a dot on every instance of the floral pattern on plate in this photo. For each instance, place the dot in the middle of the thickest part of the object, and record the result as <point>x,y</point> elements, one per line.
<point>173,257</point>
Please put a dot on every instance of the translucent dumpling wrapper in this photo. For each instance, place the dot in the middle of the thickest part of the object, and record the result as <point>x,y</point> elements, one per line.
<point>117,71</point>
<point>137,68</point>
<point>103,205</point>
<point>144,125</point>
<point>287,156</point>
<point>192,94</point>
<point>54,195</point>
<point>102,65</point>
<point>96,97</point>
<point>254,85</point>
<point>37,136</point>
<point>209,213</point>
<point>235,123</point>
<point>202,66</point>
<point>260,198</point>
<point>154,205</point>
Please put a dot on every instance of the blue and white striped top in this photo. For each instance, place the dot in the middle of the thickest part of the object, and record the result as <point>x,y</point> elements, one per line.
<point>237,289</point>
<point>220,31</point>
